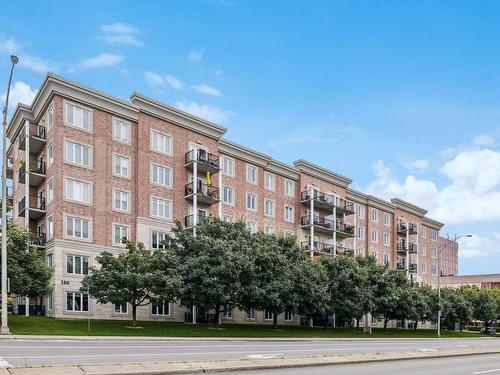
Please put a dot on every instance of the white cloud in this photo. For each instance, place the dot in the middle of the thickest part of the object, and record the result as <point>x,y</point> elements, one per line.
<point>124,39</point>
<point>205,111</point>
<point>36,64</point>
<point>195,55</point>
<point>8,46</point>
<point>418,165</point>
<point>219,72</point>
<point>156,80</point>
<point>20,92</point>
<point>206,89</point>
<point>174,82</point>
<point>121,33</point>
<point>102,60</point>
<point>483,140</point>
<point>119,28</point>
<point>479,246</point>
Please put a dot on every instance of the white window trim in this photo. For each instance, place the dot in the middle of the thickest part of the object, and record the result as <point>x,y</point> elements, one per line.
<point>233,174</point>
<point>120,313</point>
<point>273,214</point>
<point>128,177</point>
<point>91,154</point>
<point>285,181</point>
<point>50,180</point>
<point>49,124</point>
<point>284,213</point>
<point>272,188</point>
<point>91,195</point>
<point>268,319</point>
<point>91,116</point>
<point>165,315</point>
<point>65,264</point>
<point>376,215</point>
<point>384,236</point>
<point>113,225</point>
<point>363,215</point>
<point>114,120</point>
<point>170,184</point>
<point>65,216</point>
<point>49,162</point>
<point>171,153</point>
<point>248,166</point>
<point>292,315</point>
<point>231,217</point>
<point>256,209</point>
<point>389,219</point>
<point>154,230</point>
<point>376,235</point>
<point>234,195</point>
<point>160,217</point>
<point>76,311</point>
<point>129,200</point>
<point>51,216</point>
<point>254,222</point>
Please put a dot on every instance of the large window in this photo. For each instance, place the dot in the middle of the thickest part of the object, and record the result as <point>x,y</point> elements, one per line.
<point>268,315</point>
<point>160,208</point>
<point>50,190</point>
<point>269,181</point>
<point>120,308</point>
<point>361,233</point>
<point>77,302</point>
<point>269,229</point>
<point>158,240</point>
<point>288,316</point>
<point>120,234</point>
<point>269,207</point>
<point>289,213</point>
<point>374,235</point>
<point>227,166</point>
<point>361,211</point>
<point>434,235</point>
<point>387,219</point>
<point>50,227</point>
<point>78,154</point>
<point>77,228</point>
<point>250,313</point>
<point>228,195</point>
<point>78,191</point>
<point>121,200</point>
<point>289,188</point>
<point>161,175</point>
<point>387,239</point>
<point>50,118</point>
<point>161,142</point>
<point>121,131</point>
<point>252,174</point>
<point>121,165</point>
<point>78,117</point>
<point>251,201</point>
<point>252,226</point>
<point>374,215</point>
<point>160,307</point>
<point>77,264</point>
<point>50,154</point>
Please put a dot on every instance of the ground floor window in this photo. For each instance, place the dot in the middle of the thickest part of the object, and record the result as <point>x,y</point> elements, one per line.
<point>288,316</point>
<point>121,308</point>
<point>250,313</point>
<point>268,315</point>
<point>228,312</point>
<point>160,307</point>
<point>50,302</point>
<point>77,302</point>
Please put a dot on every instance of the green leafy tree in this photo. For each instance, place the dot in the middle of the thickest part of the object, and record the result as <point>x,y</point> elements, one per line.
<point>485,306</point>
<point>137,277</point>
<point>311,287</point>
<point>425,304</point>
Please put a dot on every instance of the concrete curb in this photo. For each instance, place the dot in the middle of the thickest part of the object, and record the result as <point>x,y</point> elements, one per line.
<point>239,365</point>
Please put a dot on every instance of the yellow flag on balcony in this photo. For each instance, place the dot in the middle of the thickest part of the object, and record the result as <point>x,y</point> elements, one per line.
<point>209,182</point>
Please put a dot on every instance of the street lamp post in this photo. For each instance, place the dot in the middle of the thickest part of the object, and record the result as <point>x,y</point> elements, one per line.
<point>4,330</point>
<point>439,278</point>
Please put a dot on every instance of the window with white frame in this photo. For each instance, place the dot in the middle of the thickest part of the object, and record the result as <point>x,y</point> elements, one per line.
<point>78,191</point>
<point>289,188</point>
<point>424,250</point>
<point>434,269</point>
<point>386,258</point>
<point>77,153</point>
<point>78,228</point>
<point>161,142</point>
<point>50,302</point>
<point>50,227</point>
<point>121,131</point>
<point>288,233</point>
<point>374,253</point>
<point>121,165</point>
<point>252,201</point>
<point>50,118</point>
<point>77,302</point>
<point>387,239</point>
<point>158,240</point>
<point>228,312</point>
<point>250,313</point>
<point>374,215</point>
<point>434,252</point>
<point>289,213</point>
<point>120,234</point>
<point>161,175</point>
<point>269,181</point>
<point>252,226</point>
<point>78,117</point>
<point>387,219</point>
<point>288,316</point>
<point>268,315</point>
<point>160,208</point>
<point>227,166</point>
<point>374,235</point>
<point>269,207</point>
<point>424,232</point>
<point>433,235</point>
<point>361,233</point>
<point>50,154</point>
<point>227,218</point>
<point>121,200</point>
<point>50,260</point>
<point>269,229</point>
<point>50,190</point>
<point>361,211</point>
<point>77,264</point>
<point>228,195</point>
<point>160,308</point>
<point>120,308</point>
<point>359,251</point>
<point>252,174</point>
<point>424,267</point>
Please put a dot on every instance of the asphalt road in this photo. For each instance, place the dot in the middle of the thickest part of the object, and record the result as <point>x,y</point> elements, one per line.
<point>471,365</point>
<point>24,352</point>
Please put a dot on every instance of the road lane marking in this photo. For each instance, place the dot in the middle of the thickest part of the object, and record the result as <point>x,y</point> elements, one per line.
<point>486,371</point>
<point>264,356</point>
<point>4,363</point>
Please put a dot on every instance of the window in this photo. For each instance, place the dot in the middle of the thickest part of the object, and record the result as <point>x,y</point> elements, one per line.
<point>434,252</point>
<point>361,211</point>
<point>269,229</point>
<point>252,174</point>
<point>121,200</point>
<point>288,233</point>
<point>374,253</point>
<point>387,219</point>
<point>160,307</point>
<point>50,190</point>
<point>120,308</point>
<point>289,188</point>
<point>424,232</point>
<point>424,250</point>
<point>121,131</point>
<point>250,313</point>
<point>252,226</point>
<point>77,228</point>
<point>434,269</point>
<point>386,258</point>
<point>228,312</point>
<point>77,302</point>
<point>387,239</point>
<point>423,268</point>
<point>288,316</point>
<point>359,251</point>
<point>121,165</point>
<point>161,142</point>
<point>78,117</point>
<point>120,234</point>
<point>158,240</point>
<point>160,208</point>
<point>78,154</point>
<point>78,191</point>
<point>77,265</point>
<point>228,195</point>
<point>433,235</point>
<point>269,181</point>
<point>227,218</point>
<point>161,175</point>
<point>50,260</point>
<point>374,235</point>
<point>227,166</point>
<point>251,201</point>
<point>268,315</point>
<point>50,227</point>
<point>374,215</point>
<point>269,207</point>
<point>289,213</point>
<point>50,302</point>
<point>361,233</point>
<point>50,118</point>
<point>50,154</point>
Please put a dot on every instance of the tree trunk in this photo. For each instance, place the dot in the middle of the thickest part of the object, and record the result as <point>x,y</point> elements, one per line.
<point>357,323</point>
<point>217,317</point>
<point>275,320</point>
<point>134,316</point>
<point>416,324</point>
<point>385,324</point>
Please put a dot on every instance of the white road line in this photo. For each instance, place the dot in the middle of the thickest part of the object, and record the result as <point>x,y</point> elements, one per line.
<point>264,356</point>
<point>4,363</point>
<point>486,371</point>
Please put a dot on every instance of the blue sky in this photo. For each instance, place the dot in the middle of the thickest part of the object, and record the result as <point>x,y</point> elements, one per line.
<point>401,96</point>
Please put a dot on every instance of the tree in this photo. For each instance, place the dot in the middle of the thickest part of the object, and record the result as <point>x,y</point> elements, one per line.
<point>426,304</point>
<point>137,276</point>
<point>485,306</point>
<point>215,264</point>
<point>29,273</point>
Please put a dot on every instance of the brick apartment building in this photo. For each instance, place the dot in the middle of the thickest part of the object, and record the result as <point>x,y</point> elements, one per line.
<point>89,169</point>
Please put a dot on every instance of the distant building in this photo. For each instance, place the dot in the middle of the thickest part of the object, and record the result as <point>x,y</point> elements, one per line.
<point>448,257</point>
<point>481,281</point>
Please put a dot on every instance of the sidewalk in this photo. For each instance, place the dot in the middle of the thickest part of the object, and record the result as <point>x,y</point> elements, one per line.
<point>237,365</point>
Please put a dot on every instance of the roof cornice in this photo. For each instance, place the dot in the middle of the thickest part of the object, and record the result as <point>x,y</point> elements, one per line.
<point>356,196</point>
<point>380,204</point>
<point>322,173</point>
<point>176,116</point>
<point>431,223</point>
<point>408,207</point>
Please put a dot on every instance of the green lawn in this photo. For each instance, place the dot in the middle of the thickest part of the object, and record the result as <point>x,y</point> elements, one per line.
<point>46,326</point>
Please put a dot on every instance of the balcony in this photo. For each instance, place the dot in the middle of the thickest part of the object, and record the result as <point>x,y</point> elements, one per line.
<point>345,250</point>
<point>206,162</point>
<point>37,139</point>
<point>327,202</point>
<point>36,207</point>
<point>344,230</point>
<point>403,247</point>
<point>37,172</point>
<point>10,168</point>
<point>320,223</point>
<point>38,239</point>
<point>189,220</point>
<point>403,227</point>
<point>205,194</point>
<point>401,266</point>
<point>319,247</point>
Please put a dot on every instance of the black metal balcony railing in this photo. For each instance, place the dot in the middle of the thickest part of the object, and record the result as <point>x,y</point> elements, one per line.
<point>412,267</point>
<point>342,205</point>
<point>189,220</point>
<point>412,228</point>
<point>401,227</point>
<point>318,221</point>
<point>345,228</point>
<point>37,131</point>
<point>21,205</point>
<point>10,192</point>
<point>346,250</point>
<point>35,166</point>
<point>204,158</point>
<point>38,238</point>
<point>205,191</point>
<point>36,202</point>
<point>318,246</point>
